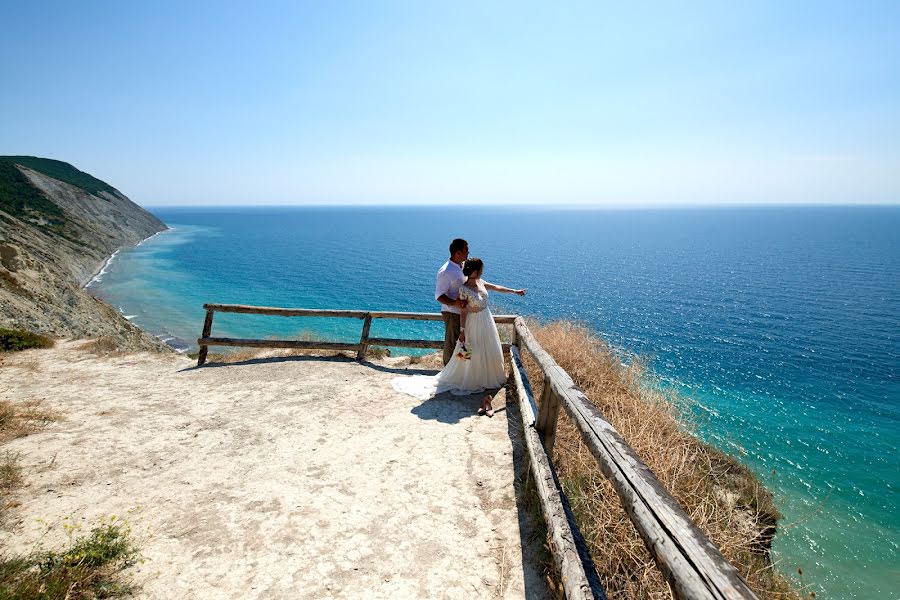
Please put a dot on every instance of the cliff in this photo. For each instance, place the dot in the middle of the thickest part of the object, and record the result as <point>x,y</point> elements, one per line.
<point>58,226</point>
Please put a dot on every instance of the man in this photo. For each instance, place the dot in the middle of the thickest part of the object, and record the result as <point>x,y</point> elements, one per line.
<point>449,279</point>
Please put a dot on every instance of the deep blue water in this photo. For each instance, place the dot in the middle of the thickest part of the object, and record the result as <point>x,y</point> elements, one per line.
<point>782,323</point>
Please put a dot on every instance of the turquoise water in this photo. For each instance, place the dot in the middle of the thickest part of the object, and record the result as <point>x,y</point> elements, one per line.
<point>783,324</point>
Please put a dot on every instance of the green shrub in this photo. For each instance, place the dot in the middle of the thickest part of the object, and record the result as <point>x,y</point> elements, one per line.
<point>13,340</point>
<point>89,568</point>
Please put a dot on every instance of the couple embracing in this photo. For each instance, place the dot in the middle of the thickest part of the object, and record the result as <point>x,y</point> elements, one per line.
<point>473,356</point>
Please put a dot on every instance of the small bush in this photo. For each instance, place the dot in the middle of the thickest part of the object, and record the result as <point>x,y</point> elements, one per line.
<point>13,340</point>
<point>87,569</point>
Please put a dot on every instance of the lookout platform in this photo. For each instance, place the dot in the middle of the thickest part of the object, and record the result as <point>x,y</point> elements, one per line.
<point>291,477</point>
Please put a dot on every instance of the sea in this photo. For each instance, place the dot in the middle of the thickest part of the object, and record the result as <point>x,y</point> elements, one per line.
<point>782,325</point>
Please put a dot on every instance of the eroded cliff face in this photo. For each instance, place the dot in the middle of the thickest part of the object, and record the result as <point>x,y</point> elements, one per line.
<point>43,269</point>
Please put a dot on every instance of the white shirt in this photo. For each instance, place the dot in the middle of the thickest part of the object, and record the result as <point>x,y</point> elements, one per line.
<point>449,279</point>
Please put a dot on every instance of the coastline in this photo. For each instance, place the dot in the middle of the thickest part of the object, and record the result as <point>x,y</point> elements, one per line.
<point>166,337</point>
<point>97,275</point>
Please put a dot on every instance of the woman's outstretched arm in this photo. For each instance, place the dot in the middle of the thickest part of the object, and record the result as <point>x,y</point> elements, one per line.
<point>504,290</point>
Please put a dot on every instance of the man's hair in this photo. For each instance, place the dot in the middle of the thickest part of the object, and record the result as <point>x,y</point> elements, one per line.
<point>457,245</point>
<point>473,265</point>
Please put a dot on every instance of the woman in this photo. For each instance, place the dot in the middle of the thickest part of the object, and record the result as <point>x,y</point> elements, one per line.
<point>477,363</point>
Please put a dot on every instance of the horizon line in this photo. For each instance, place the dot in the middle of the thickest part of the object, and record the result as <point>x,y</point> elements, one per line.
<point>573,206</point>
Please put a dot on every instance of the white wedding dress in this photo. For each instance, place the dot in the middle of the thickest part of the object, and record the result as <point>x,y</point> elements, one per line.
<point>483,371</point>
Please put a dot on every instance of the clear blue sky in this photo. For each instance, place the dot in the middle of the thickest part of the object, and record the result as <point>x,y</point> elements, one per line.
<point>457,102</point>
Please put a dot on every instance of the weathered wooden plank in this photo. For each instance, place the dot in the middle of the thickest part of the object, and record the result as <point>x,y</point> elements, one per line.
<point>285,312</point>
<point>579,576</point>
<point>692,564</point>
<point>295,344</point>
<point>352,314</point>
<point>527,406</point>
<point>207,330</point>
<point>407,316</point>
<point>364,338</point>
<point>398,343</point>
<point>416,316</point>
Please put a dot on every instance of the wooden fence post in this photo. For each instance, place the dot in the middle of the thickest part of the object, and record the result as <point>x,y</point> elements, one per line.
<point>207,329</point>
<point>543,407</point>
<point>552,420</point>
<point>364,338</point>
<point>548,414</point>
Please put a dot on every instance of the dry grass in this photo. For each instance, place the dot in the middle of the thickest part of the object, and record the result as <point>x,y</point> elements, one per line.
<point>433,360</point>
<point>10,475</point>
<point>104,346</point>
<point>18,419</point>
<point>723,497</point>
<point>10,479</point>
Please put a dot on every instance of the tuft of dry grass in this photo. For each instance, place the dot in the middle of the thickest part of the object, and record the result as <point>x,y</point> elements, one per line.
<point>23,418</point>
<point>10,474</point>
<point>724,498</point>
<point>103,346</point>
<point>433,360</point>
<point>10,479</point>
<point>17,420</point>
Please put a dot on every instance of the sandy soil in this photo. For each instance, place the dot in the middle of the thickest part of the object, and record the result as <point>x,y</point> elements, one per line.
<point>296,477</point>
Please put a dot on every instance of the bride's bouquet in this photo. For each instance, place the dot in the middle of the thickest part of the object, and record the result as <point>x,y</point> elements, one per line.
<point>462,352</point>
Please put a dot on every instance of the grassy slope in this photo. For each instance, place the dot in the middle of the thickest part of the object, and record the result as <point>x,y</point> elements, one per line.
<point>19,198</point>
<point>62,171</point>
<point>723,497</point>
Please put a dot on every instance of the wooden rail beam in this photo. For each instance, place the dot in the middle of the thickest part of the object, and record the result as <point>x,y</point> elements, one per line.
<point>293,344</point>
<point>350,314</point>
<point>399,343</point>
<point>693,566</point>
<point>573,560</point>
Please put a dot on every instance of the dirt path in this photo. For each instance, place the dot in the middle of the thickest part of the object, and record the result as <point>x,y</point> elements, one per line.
<point>288,478</point>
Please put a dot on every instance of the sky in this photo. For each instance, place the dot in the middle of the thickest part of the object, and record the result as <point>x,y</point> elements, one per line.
<point>560,103</point>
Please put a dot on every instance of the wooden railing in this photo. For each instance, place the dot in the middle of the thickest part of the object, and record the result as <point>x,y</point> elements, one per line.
<point>360,348</point>
<point>693,566</point>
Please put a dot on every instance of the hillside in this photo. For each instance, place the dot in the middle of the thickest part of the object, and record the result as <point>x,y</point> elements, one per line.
<point>58,226</point>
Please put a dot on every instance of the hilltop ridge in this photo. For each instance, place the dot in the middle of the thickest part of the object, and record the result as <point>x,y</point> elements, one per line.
<point>58,226</point>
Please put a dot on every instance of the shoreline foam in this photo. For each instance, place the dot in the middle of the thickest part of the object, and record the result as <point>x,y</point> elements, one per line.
<point>97,276</point>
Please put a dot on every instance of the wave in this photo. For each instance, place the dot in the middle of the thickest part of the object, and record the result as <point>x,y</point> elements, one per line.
<point>152,236</point>
<point>99,276</point>
<point>176,343</point>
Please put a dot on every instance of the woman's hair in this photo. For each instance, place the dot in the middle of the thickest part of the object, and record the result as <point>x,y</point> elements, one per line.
<point>473,265</point>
